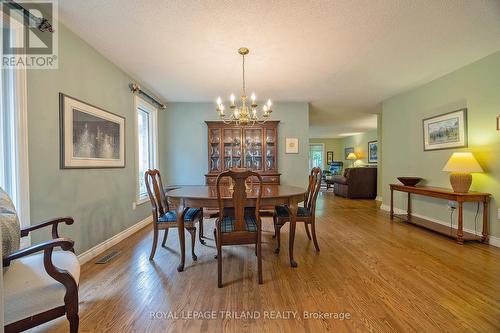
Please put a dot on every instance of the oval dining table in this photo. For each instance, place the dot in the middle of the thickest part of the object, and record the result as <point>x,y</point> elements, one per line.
<point>206,197</point>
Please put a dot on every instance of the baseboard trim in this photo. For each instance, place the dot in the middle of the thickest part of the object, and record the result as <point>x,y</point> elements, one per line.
<point>99,248</point>
<point>378,198</point>
<point>494,241</point>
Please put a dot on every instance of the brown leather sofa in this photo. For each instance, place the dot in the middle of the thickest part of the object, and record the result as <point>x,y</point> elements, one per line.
<point>356,183</point>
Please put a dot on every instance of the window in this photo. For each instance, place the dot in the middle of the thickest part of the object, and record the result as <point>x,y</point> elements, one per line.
<point>147,143</point>
<point>14,175</point>
<point>316,155</point>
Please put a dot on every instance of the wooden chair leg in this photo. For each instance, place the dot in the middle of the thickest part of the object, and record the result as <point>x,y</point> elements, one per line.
<point>74,321</point>
<point>307,231</point>
<point>201,231</point>
<point>165,235</point>
<point>192,232</point>
<point>313,230</point>
<point>277,229</point>
<point>155,240</point>
<point>215,238</point>
<point>219,264</point>
<point>259,259</point>
<point>274,223</point>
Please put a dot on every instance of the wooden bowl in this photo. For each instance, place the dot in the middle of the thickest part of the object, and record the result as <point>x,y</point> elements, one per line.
<point>409,181</point>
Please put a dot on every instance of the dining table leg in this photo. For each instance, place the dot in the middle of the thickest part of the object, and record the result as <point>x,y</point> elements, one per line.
<point>293,207</point>
<point>179,208</point>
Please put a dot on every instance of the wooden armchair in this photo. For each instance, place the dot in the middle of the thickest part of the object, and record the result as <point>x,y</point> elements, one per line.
<point>240,224</point>
<point>164,218</point>
<point>39,287</point>
<point>306,214</point>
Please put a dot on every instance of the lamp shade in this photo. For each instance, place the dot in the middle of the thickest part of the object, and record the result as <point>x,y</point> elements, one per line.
<point>463,163</point>
<point>351,156</point>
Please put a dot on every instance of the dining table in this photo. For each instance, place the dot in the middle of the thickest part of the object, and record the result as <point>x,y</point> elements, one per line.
<point>186,197</point>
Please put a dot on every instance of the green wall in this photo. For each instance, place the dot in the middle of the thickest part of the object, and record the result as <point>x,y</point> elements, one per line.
<point>186,153</point>
<point>476,87</point>
<point>100,200</point>
<point>335,145</point>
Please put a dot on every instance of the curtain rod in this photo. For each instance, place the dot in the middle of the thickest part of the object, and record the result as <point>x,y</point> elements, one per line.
<point>41,23</point>
<point>135,88</point>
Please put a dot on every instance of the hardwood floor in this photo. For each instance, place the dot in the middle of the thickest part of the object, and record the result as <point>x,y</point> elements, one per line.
<point>388,276</point>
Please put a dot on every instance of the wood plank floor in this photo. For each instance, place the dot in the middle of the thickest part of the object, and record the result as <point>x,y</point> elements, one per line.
<point>387,276</point>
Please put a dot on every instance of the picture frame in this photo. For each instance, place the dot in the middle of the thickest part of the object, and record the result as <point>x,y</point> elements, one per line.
<point>347,151</point>
<point>90,137</point>
<point>445,131</point>
<point>373,151</point>
<point>498,123</point>
<point>329,157</point>
<point>291,145</point>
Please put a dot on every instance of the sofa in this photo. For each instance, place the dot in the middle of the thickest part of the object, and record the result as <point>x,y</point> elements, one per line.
<point>356,183</point>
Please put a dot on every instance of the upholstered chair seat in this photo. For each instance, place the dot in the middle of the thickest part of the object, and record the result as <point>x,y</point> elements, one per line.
<point>29,290</point>
<point>191,215</point>
<point>282,211</point>
<point>227,224</point>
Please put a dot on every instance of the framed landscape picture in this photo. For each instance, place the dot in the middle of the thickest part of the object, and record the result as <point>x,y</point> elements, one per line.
<point>90,137</point>
<point>446,131</point>
<point>347,151</point>
<point>373,151</point>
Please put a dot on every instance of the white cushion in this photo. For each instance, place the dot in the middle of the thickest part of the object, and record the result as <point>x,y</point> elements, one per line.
<point>29,290</point>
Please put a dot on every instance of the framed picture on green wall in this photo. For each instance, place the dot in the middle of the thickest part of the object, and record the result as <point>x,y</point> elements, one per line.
<point>373,151</point>
<point>329,157</point>
<point>347,151</point>
<point>446,131</point>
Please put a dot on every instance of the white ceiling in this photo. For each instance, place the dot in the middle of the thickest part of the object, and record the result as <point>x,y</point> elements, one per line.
<point>344,57</point>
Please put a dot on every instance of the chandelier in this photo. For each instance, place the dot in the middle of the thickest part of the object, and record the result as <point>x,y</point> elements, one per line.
<point>244,114</point>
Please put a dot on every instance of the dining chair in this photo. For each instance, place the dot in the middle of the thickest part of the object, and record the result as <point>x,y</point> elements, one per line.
<point>240,224</point>
<point>306,214</point>
<point>164,218</point>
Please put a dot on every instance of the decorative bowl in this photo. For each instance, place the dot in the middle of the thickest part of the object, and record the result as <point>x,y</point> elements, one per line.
<point>409,181</point>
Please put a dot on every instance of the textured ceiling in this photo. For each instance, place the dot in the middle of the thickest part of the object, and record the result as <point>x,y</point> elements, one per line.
<point>344,57</point>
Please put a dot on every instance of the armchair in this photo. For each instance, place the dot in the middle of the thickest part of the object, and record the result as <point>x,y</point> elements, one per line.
<point>40,284</point>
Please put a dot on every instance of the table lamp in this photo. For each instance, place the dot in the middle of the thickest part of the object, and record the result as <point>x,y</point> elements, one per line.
<point>351,157</point>
<point>461,165</point>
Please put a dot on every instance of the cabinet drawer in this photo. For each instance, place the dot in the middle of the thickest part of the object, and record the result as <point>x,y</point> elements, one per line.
<point>271,180</point>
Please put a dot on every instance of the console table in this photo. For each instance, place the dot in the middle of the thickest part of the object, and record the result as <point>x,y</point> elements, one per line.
<point>446,194</point>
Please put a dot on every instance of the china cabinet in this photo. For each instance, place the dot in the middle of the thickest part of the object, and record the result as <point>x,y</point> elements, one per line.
<point>252,147</point>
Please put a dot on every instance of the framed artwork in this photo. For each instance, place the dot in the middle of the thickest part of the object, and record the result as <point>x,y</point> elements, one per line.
<point>498,123</point>
<point>347,151</point>
<point>90,137</point>
<point>373,151</point>
<point>292,145</point>
<point>329,157</point>
<point>446,131</point>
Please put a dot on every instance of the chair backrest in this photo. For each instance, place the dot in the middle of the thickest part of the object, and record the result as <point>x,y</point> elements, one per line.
<point>156,194</point>
<point>313,189</point>
<point>239,194</point>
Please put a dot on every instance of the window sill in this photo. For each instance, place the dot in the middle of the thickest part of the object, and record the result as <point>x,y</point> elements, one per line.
<point>141,201</point>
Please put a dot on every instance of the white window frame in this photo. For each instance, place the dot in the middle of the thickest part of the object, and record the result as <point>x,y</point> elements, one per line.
<point>22,198</point>
<point>21,162</point>
<point>140,103</point>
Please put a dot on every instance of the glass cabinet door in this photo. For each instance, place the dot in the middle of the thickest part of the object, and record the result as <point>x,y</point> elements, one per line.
<point>270,161</point>
<point>214,150</point>
<point>252,140</point>
<point>232,148</point>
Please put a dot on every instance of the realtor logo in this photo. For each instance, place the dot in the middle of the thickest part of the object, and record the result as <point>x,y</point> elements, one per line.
<point>29,34</point>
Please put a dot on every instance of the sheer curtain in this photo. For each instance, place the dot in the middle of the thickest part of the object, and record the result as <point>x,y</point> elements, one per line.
<point>14,175</point>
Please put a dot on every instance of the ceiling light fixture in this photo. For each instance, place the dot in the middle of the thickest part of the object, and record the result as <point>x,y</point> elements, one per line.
<point>244,114</point>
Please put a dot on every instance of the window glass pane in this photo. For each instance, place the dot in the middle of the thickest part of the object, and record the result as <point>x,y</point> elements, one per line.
<point>315,156</point>
<point>145,148</point>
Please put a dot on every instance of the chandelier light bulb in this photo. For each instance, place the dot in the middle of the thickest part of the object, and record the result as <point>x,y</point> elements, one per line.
<point>219,101</point>
<point>269,103</point>
<point>253,97</point>
<point>232,98</point>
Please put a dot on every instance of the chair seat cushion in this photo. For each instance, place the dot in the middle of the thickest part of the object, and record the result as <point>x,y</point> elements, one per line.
<point>227,224</point>
<point>29,290</point>
<point>171,216</point>
<point>9,225</point>
<point>282,211</point>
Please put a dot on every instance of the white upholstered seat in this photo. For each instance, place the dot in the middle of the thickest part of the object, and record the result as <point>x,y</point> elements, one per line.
<point>29,290</point>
